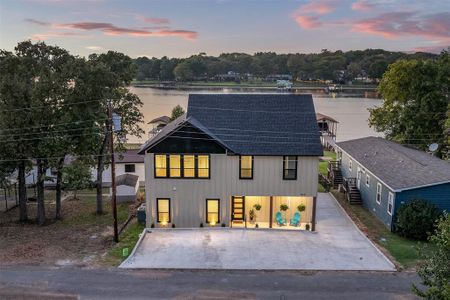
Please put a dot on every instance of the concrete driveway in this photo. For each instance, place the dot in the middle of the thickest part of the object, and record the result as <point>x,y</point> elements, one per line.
<point>337,245</point>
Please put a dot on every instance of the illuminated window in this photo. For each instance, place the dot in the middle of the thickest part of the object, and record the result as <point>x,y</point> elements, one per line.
<point>189,166</point>
<point>246,167</point>
<point>163,210</point>
<point>290,167</point>
<point>174,165</point>
<point>203,166</point>
<point>160,166</point>
<point>212,211</point>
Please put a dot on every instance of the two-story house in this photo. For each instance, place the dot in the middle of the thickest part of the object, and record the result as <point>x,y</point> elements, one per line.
<point>234,160</point>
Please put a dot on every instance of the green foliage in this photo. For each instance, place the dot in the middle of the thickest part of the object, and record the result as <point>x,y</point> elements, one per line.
<point>76,176</point>
<point>415,94</point>
<point>177,111</point>
<point>435,272</point>
<point>284,207</point>
<point>257,206</point>
<point>416,219</point>
<point>326,65</point>
<point>301,207</point>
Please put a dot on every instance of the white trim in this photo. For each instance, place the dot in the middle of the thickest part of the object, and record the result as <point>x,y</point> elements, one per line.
<point>387,185</point>
<point>380,193</point>
<point>391,197</point>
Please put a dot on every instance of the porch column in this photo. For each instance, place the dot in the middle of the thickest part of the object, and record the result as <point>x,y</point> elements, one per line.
<point>271,212</point>
<point>313,221</point>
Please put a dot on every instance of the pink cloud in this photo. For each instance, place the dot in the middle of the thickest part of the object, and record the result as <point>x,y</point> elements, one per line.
<point>397,24</point>
<point>308,22</point>
<point>158,21</point>
<point>52,35</point>
<point>363,5</point>
<point>320,7</point>
<point>112,30</point>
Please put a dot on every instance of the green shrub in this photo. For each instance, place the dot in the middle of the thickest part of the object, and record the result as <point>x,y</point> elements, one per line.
<point>416,219</point>
<point>301,207</point>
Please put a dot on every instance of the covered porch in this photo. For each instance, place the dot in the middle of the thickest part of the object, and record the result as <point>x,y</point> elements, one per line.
<point>277,212</point>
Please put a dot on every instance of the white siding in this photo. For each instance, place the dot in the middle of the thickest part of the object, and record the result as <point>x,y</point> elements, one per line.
<point>120,169</point>
<point>188,196</point>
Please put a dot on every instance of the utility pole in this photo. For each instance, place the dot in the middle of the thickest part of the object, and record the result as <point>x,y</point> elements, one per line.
<point>113,172</point>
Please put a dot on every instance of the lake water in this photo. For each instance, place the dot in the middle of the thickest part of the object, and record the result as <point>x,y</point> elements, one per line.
<point>351,110</point>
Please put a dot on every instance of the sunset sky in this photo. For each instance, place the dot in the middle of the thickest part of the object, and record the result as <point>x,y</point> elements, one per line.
<point>179,28</point>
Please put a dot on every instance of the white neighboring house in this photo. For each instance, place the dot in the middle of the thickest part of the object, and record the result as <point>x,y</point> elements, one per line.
<point>127,187</point>
<point>129,162</point>
<point>231,153</point>
<point>158,124</point>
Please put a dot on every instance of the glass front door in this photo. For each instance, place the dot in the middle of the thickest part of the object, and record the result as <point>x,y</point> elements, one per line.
<point>237,208</point>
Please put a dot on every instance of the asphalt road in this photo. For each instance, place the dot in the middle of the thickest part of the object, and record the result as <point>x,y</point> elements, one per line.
<point>72,283</point>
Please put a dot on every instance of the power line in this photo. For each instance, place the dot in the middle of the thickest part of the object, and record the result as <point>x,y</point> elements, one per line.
<point>57,124</point>
<point>47,106</point>
<point>51,137</point>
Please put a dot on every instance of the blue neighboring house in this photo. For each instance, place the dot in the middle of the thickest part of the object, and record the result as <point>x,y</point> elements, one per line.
<point>388,174</point>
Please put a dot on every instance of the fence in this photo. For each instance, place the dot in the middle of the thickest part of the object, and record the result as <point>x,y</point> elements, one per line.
<point>8,198</point>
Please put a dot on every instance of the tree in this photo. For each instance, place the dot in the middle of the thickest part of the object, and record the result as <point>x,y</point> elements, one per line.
<point>183,71</point>
<point>77,176</point>
<point>377,68</point>
<point>112,73</point>
<point>177,111</point>
<point>415,103</point>
<point>435,272</point>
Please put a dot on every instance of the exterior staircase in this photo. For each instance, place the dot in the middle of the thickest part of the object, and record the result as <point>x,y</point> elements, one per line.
<point>352,192</point>
<point>335,174</point>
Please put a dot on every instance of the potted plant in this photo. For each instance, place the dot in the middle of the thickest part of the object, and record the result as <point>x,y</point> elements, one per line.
<point>301,207</point>
<point>284,208</point>
<point>258,208</point>
<point>252,215</point>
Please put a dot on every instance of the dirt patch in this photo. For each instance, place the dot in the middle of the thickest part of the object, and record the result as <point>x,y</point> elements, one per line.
<point>77,240</point>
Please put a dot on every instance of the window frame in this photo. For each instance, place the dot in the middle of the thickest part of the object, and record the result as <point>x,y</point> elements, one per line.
<point>240,167</point>
<point>379,193</point>
<point>350,165</point>
<point>218,209</point>
<point>157,210</point>
<point>130,165</point>
<point>367,181</point>
<point>284,167</point>
<point>391,198</point>
<point>167,156</point>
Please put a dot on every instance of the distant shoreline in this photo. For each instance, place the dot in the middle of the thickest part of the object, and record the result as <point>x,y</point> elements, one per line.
<point>232,85</point>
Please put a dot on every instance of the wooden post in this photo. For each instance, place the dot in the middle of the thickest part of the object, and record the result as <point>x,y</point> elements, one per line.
<point>113,173</point>
<point>271,212</point>
<point>313,221</point>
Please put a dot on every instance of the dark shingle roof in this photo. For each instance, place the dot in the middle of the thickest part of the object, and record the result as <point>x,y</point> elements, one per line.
<point>397,166</point>
<point>129,156</point>
<point>164,119</point>
<point>254,124</point>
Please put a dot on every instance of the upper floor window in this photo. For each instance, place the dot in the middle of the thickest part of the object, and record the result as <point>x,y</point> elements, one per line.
<point>181,166</point>
<point>368,180</point>
<point>350,165</point>
<point>379,189</point>
<point>290,167</point>
<point>246,167</point>
<point>130,168</point>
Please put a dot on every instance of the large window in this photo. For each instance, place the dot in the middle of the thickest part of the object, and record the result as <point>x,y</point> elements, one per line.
<point>378,198</point>
<point>163,210</point>
<point>160,166</point>
<point>246,167</point>
<point>181,166</point>
<point>189,166</point>
<point>130,168</point>
<point>203,166</point>
<point>290,167</point>
<point>212,211</point>
<point>390,205</point>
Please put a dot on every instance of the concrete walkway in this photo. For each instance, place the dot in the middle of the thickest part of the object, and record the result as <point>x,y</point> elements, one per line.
<point>337,245</point>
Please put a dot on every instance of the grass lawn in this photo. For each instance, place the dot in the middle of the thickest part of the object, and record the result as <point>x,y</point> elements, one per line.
<point>323,166</point>
<point>407,253</point>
